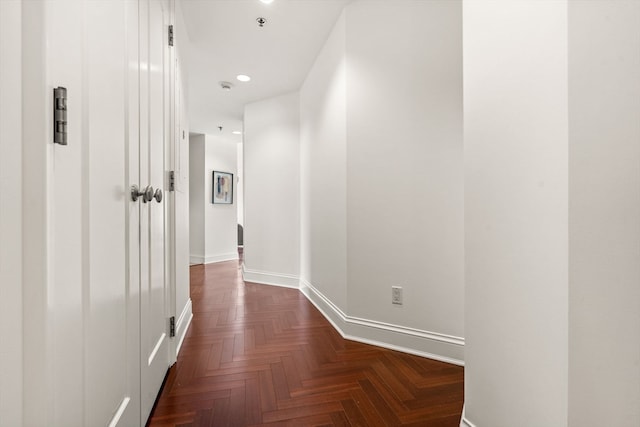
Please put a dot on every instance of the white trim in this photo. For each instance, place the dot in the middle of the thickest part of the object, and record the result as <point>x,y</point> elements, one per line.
<point>196,259</point>
<point>464,422</point>
<point>182,325</point>
<point>432,345</point>
<point>332,312</point>
<point>123,406</point>
<point>211,259</point>
<point>268,278</point>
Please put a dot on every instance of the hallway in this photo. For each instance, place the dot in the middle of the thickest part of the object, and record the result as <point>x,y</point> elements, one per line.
<point>264,355</point>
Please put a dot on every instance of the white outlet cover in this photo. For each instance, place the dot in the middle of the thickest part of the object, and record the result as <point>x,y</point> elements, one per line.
<point>396,295</point>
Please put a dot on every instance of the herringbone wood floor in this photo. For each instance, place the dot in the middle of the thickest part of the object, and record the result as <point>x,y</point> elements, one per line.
<point>259,355</point>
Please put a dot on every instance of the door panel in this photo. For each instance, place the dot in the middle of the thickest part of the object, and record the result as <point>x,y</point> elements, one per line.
<point>105,219</point>
<point>132,19</point>
<point>146,346</point>
<point>154,108</point>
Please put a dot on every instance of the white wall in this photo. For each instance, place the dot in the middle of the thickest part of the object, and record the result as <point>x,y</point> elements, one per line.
<point>221,221</point>
<point>516,210</point>
<point>196,197</point>
<point>213,226</point>
<point>404,163</point>
<point>11,214</point>
<point>604,197</point>
<point>271,190</point>
<point>381,176</point>
<point>323,171</point>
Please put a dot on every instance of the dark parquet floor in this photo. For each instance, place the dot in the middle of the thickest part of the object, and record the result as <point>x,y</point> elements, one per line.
<point>259,355</point>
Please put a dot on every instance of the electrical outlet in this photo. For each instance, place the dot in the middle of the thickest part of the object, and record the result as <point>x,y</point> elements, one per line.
<point>396,295</point>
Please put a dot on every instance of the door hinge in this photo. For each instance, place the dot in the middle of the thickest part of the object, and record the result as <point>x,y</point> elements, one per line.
<point>170,35</point>
<point>60,115</point>
<point>172,326</point>
<point>172,181</point>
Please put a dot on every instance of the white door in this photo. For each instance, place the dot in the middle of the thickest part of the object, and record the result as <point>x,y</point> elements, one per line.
<point>94,300</point>
<point>102,318</point>
<point>154,120</point>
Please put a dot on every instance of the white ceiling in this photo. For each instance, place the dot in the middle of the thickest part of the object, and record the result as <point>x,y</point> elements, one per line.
<point>225,40</point>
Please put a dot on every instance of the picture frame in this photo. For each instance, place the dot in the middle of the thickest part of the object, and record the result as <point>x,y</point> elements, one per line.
<point>222,188</point>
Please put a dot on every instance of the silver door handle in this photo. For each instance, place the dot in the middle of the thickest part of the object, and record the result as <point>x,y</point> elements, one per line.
<point>158,195</point>
<point>147,193</point>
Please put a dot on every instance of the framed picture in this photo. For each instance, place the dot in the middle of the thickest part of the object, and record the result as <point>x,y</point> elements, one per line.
<point>222,188</point>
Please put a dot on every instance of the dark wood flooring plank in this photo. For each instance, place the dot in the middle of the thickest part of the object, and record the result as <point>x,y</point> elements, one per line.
<point>353,413</point>
<point>253,409</point>
<point>339,419</point>
<point>321,410</point>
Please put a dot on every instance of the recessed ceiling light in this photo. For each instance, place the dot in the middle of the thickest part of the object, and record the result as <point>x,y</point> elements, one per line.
<point>236,132</point>
<point>267,1</point>
<point>243,77</point>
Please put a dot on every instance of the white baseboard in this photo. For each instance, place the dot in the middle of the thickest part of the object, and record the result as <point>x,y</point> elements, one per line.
<point>432,345</point>
<point>210,259</point>
<point>196,259</point>
<point>268,278</point>
<point>232,256</point>
<point>182,324</point>
<point>466,423</point>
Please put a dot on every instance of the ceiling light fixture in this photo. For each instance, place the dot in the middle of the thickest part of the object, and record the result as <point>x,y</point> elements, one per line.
<point>267,1</point>
<point>243,77</point>
<point>236,132</point>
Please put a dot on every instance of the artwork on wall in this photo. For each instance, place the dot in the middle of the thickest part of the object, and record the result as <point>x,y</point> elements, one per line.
<point>222,188</point>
